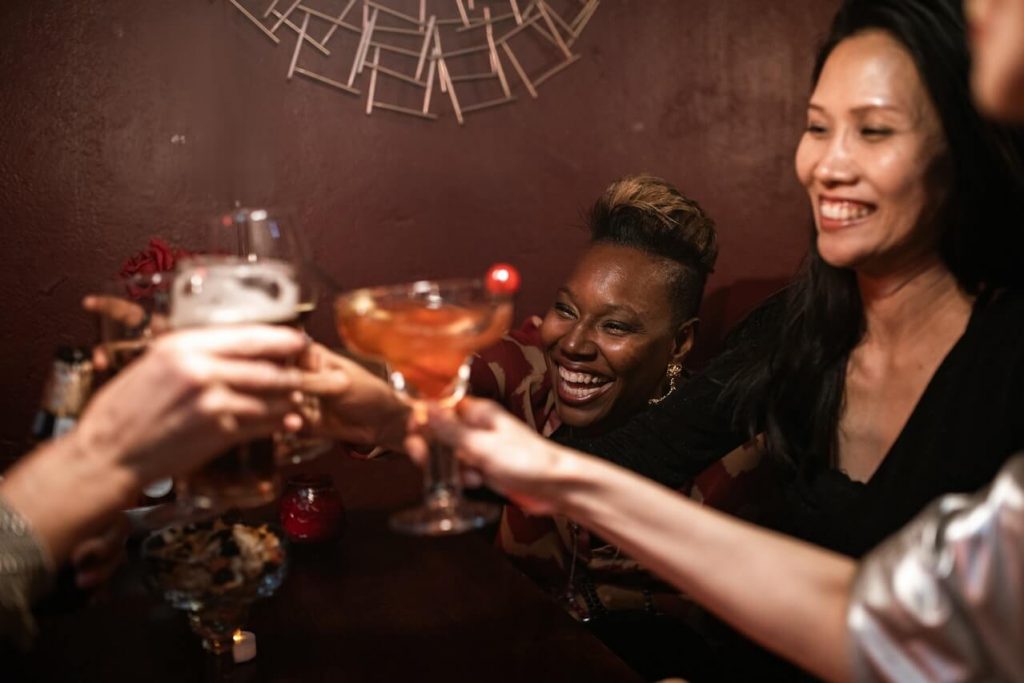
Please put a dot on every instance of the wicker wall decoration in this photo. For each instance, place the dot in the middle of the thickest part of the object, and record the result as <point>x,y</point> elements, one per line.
<point>396,54</point>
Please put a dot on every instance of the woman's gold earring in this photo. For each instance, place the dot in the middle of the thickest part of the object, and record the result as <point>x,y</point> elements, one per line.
<point>672,372</point>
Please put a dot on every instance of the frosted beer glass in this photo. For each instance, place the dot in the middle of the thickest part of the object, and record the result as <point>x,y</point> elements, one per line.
<point>229,291</point>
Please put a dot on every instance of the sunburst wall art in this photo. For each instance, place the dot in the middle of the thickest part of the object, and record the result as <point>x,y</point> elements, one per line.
<point>424,58</point>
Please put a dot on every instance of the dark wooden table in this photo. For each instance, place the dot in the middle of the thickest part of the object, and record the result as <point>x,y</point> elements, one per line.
<point>375,606</point>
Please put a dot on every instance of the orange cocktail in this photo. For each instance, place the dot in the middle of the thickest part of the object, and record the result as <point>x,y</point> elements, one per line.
<point>426,332</point>
<point>427,346</point>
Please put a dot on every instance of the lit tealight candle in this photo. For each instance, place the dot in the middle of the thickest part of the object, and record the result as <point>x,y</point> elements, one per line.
<point>244,648</point>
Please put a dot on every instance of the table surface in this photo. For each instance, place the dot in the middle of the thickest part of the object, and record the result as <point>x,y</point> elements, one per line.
<point>375,606</point>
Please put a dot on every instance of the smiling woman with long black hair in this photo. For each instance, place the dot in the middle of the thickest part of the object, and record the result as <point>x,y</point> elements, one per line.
<point>885,374</point>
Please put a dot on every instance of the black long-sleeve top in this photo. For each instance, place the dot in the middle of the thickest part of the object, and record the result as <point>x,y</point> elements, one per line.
<point>965,426</point>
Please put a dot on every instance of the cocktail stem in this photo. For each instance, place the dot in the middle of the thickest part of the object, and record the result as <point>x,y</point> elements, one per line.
<point>440,480</point>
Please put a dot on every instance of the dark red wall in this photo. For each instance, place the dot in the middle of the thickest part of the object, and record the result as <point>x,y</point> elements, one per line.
<point>707,94</point>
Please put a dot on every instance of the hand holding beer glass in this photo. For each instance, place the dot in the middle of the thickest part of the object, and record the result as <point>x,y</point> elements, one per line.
<point>228,290</point>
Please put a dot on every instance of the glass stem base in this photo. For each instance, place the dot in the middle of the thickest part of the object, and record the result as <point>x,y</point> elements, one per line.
<point>443,515</point>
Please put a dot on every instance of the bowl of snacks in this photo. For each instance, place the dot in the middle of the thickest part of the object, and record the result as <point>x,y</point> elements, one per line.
<point>214,570</point>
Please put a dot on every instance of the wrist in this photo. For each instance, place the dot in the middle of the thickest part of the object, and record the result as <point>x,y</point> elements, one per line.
<point>99,463</point>
<point>568,481</point>
<point>581,482</point>
<point>64,489</point>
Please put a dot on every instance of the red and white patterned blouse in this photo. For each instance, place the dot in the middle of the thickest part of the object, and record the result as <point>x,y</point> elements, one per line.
<point>514,373</point>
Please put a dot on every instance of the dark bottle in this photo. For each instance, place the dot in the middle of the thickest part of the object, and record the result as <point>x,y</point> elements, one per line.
<point>67,390</point>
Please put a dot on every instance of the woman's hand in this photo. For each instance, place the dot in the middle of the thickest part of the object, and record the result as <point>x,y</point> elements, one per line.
<point>497,449</point>
<point>356,406</point>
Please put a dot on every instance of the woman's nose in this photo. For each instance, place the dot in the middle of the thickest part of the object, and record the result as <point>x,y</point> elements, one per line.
<point>837,165</point>
<point>578,341</point>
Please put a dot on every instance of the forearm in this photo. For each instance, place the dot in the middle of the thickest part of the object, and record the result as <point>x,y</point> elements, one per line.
<point>787,595</point>
<point>65,488</point>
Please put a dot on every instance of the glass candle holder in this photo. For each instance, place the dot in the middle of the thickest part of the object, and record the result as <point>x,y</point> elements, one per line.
<point>311,510</point>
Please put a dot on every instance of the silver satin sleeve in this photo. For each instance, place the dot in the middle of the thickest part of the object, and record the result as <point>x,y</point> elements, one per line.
<point>943,599</point>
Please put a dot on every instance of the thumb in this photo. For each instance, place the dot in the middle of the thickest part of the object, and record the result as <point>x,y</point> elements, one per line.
<point>479,413</point>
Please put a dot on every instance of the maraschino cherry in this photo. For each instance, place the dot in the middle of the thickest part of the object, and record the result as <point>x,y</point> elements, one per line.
<point>502,279</point>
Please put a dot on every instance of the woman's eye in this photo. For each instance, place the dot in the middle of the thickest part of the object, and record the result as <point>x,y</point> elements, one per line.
<point>617,328</point>
<point>564,311</point>
<point>816,128</point>
<point>875,133</point>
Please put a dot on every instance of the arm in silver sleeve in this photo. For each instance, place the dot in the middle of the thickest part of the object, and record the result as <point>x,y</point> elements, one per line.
<point>943,599</point>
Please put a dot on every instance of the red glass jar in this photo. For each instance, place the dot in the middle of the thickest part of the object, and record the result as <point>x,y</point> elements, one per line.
<point>310,510</point>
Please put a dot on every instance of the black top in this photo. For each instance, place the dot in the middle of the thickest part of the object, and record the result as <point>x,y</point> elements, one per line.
<point>965,425</point>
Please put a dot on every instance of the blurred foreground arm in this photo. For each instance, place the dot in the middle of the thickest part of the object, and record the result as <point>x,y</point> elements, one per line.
<point>194,394</point>
<point>943,599</point>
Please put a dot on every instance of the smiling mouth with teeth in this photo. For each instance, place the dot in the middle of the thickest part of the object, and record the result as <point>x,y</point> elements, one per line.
<point>580,387</point>
<point>834,210</point>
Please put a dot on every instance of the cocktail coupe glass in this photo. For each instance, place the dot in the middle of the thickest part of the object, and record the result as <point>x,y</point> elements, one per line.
<point>214,571</point>
<point>426,332</point>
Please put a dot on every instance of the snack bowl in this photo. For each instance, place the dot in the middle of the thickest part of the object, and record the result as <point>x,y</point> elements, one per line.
<point>214,570</point>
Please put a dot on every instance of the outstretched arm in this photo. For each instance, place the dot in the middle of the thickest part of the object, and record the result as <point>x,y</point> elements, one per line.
<point>789,596</point>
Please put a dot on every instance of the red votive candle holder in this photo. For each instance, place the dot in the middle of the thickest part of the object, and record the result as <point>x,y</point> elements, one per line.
<point>310,510</point>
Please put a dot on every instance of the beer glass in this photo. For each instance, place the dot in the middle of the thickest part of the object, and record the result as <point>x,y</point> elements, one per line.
<point>226,290</point>
<point>258,234</point>
<point>135,310</point>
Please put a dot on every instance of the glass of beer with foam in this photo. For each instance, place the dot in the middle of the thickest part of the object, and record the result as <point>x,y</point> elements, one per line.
<point>227,290</point>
